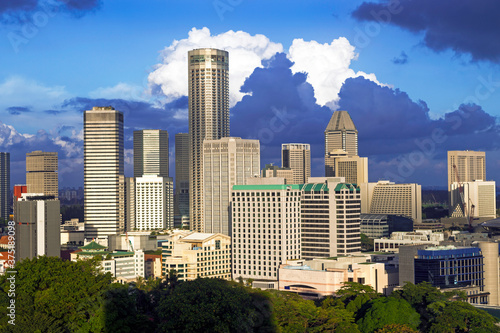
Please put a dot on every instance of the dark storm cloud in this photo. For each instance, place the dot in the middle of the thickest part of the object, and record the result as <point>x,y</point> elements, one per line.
<point>280,109</point>
<point>401,59</point>
<point>464,26</point>
<point>17,110</point>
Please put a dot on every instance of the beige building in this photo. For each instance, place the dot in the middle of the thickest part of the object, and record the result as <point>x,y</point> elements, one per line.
<point>297,156</point>
<point>154,205</point>
<point>152,265</point>
<point>181,197</point>
<point>208,89</point>
<point>324,277</point>
<point>104,183</point>
<point>195,255</point>
<point>479,199</point>
<point>386,197</point>
<point>226,162</point>
<point>470,165</point>
<point>274,171</point>
<point>491,271</point>
<point>41,173</point>
<point>266,229</point>
<point>330,223</point>
<point>129,208</point>
<point>340,134</point>
<point>402,238</point>
<point>151,153</point>
<point>354,169</point>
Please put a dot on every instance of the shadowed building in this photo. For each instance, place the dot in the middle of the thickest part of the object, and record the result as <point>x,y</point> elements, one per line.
<point>181,197</point>
<point>297,156</point>
<point>5,186</point>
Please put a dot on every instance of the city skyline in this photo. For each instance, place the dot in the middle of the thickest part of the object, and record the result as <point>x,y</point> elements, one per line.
<point>420,81</point>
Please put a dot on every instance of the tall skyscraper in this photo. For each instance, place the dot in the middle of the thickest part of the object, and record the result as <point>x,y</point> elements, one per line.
<point>471,166</point>
<point>226,162</point>
<point>104,182</point>
<point>340,134</point>
<point>208,89</point>
<point>151,153</point>
<point>297,156</point>
<point>41,173</point>
<point>154,203</point>
<point>354,169</point>
<point>5,186</point>
<point>181,197</point>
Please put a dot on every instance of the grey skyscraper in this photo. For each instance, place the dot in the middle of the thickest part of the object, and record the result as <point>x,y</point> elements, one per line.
<point>208,89</point>
<point>104,183</point>
<point>340,136</point>
<point>5,185</point>
<point>181,198</point>
<point>151,153</point>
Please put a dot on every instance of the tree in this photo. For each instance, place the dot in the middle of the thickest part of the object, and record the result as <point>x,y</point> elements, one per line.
<point>214,305</point>
<point>354,295</point>
<point>55,295</point>
<point>396,328</point>
<point>366,243</point>
<point>460,316</point>
<point>387,310</point>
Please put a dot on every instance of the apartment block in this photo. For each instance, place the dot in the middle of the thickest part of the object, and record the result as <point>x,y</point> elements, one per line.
<point>154,203</point>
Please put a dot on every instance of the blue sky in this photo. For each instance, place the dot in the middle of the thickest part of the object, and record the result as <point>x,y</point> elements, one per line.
<point>418,78</point>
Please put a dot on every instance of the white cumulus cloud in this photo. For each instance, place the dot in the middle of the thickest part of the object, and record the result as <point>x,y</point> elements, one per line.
<point>120,91</point>
<point>327,66</point>
<point>245,54</point>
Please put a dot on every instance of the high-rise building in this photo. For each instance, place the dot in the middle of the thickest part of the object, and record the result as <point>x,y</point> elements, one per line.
<point>208,89</point>
<point>386,197</point>
<point>5,186</point>
<point>41,173</point>
<point>181,197</point>
<point>266,229</point>
<point>37,226</point>
<point>297,156</point>
<point>273,171</point>
<point>226,162</point>
<point>340,134</point>
<point>150,153</point>
<point>104,182</point>
<point>470,166</point>
<point>354,169</point>
<point>330,218</point>
<point>130,204</point>
<point>479,199</point>
<point>154,203</point>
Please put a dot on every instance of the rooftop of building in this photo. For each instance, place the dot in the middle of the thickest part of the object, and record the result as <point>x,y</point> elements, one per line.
<point>93,246</point>
<point>198,236</point>
<point>340,120</point>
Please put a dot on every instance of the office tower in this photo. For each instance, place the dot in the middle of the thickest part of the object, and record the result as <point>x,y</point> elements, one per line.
<point>37,226</point>
<point>181,197</point>
<point>197,255</point>
<point>479,199</point>
<point>104,183</point>
<point>470,165</point>
<point>5,186</point>
<point>150,153</point>
<point>226,162</point>
<point>273,171</point>
<point>130,203</point>
<point>386,197</point>
<point>354,169</point>
<point>208,89</point>
<point>266,229</point>
<point>297,156</point>
<point>340,134</point>
<point>330,221</point>
<point>41,173</point>
<point>154,203</point>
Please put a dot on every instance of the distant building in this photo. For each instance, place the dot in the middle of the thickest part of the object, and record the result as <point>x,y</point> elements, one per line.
<point>226,162</point>
<point>151,153</point>
<point>41,173</point>
<point>193,255</point>
<point>181,196</point>
<point>265,218</point>
<point>297,156</point>
<point>354,169</point>
<point>386,197</point>
<point>273,171</point>
<point>491,274</point>
<point>130,204</point>
<point>152,266</point>
<point>383,225</point>
<point>398,239</point>
<point>37,226</point>
<point>340,135</point>
<point>5,198</point>
<point>479,199</point>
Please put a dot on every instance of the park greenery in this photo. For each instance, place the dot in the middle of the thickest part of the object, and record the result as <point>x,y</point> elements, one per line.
<point>52,295</point>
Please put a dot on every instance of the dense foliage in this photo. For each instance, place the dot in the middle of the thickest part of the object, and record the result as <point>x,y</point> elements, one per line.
<point>59,296</point>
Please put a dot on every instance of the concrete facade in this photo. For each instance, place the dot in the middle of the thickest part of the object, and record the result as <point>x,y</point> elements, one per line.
<point>41,173</point>
<point>154,206</point>
<point>297,156</point>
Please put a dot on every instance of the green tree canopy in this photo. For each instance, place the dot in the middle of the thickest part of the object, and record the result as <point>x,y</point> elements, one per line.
<point>387,310</point>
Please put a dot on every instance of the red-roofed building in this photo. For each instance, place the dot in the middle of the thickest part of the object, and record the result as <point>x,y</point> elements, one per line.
<point>153,265</point>
<point>4,242</point>
<point>4,257</point>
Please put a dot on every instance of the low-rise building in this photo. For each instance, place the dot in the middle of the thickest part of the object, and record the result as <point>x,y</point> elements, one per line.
<point>195,254</point>
<point>397,239</point>
<point>152,265</point>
